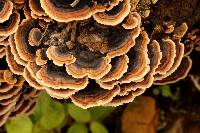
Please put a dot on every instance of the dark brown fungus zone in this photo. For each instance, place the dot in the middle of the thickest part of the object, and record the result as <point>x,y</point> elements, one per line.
<point>14,66</point>
<point>57,77</point>
<point>180,73</point>
<point>90,51</point>
<point>114,16</point>
<point>138,65</point>
<point>94,95</point>
<point>155,56</point>
<point>5,10</point>
<point>62,11</point>
<point>14,91</point>
<point>10,26</point>
<point>60,55</point>
<point>168,48</point>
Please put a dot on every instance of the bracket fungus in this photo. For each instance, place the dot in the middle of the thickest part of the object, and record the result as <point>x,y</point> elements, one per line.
<point>16,96</point>
<point>93,52</point>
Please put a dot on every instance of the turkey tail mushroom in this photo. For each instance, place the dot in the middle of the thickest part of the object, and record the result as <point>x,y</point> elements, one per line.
<point>92,52</point>
<point>14,91</point>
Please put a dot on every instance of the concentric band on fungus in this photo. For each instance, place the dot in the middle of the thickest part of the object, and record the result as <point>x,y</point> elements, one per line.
<point>62,11</point>
<point>5,10</point>
<point>114,16</point>
<point>11,25</point>
<point>90,51</point>
<point>13,92</point>
<point>97,96</point>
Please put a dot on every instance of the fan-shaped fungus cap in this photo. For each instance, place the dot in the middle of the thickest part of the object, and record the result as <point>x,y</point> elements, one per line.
<point>168,49</point>
<point>24,49</point>
<point>10,26</point>
<point>132,21</point>
<point>36,8</point>
<point>60,55</point>
<point>60,93</point>
<point>41,57</point>
<point>104,59</point>
<point>13,91</point>
<point>114,16</point>
<point>12,45</point>
<point>177,61</point>
<point>94,95</point>
<point>119,100</point>
<point>62,11</point>
<point>119,67</point>
<point>138,65</point>
<point>89,64</point>
<point>180,73</point>
<point>155,55</point>
<point>5,10</point>
<point>123,42</point>
<point>14,66</point>
<point>56,77</point>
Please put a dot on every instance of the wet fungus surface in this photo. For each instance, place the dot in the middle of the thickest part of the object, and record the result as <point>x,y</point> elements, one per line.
<point>90,51</point>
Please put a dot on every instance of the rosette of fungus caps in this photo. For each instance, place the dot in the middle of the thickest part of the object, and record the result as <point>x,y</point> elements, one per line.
<point>16,96</point>
<point>9,19</point>
<point>104,59</point>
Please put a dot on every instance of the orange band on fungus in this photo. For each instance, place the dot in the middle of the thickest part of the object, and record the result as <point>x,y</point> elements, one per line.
<point>168,49</point>
<point>56,77</point>
<point>14,66</point>
<point>180,73</point>
<point>95,97</point>
<point>119,67</point>
<point>62,11</point>
<point>177,61</point>
<point>132,21</point>
<point>119,45</point>
<point>25,50</point>
<point>60,93</point>
<point>138,65</point>
<point>31,80</point>
<point>36,7</point>
<point>60,55</point>
<point>5,10</point>
<point>155,55</point>
<point>89,64</point>
<point>119,100</point>
<point>14,51</point>
<point>41,57</point>
<point>114,16</point>
<point>11,25</point>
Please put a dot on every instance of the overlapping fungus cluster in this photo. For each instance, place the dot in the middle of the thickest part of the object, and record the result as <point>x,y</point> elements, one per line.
<point>91,51</point>
<point>16,96</point>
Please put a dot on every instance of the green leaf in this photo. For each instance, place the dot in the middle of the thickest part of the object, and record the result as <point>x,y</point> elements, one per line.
<point>78,128</point>
<point>22,124</point>
<point>165,91</point>
<point>37,114</point>
<point>100,113</point>
<point>97,127</point>
<point>79,114</point>
<point>53,113</point>
<point>39,129</point>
